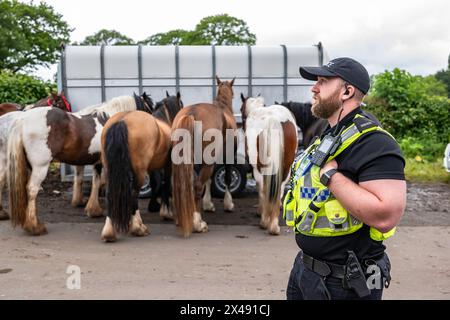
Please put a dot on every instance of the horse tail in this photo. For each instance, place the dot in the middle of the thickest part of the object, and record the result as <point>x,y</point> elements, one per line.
<point>18,174</point>
<point>272,147</point>
<point>183,181</point>
<point>120,177</point>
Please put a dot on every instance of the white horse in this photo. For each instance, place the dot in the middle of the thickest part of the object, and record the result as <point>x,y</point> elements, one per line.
<point>271,143</point>
<point>44,134</point>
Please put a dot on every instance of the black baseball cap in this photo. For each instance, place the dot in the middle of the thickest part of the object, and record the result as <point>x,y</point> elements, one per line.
<point>348,69</point>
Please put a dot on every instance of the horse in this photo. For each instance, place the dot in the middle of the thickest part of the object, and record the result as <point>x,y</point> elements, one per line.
<point>53,100</point>
<point>134,144</point>
<point>7,120</point>
<point>271,145</point>
<point>44,134</point>
<point>188,187</point>
<point>311,126</point>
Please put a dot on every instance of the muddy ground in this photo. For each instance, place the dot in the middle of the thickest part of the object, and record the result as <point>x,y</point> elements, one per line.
<point>234,260</point>
<point>427,205</point>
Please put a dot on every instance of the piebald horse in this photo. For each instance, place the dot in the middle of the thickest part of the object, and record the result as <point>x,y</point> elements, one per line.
<point>271,144</point>
<point>188,187</point>
<point>10,115</point>
<point>44,134</point>
<point>53,100</point>
<point>134,144</point>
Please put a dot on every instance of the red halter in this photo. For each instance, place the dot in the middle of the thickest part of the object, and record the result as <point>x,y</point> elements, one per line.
<point>67,105</point>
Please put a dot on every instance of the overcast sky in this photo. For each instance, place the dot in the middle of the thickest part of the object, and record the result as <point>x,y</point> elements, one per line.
<point>413,35</point>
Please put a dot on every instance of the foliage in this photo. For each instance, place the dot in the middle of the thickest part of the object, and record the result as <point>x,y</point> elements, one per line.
<point>222,30</point>
<point>411,106</point>
<point>213,30</point>
<point>107,37</point>
<point>173,37</point>
<point>444,77</point>
<point>23,89</point>
<point>30,35</point>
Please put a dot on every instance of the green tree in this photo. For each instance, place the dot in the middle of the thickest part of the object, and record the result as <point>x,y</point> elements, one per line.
<point>174,37</point>
<point>30,35</point>
<point>221,30</point>
<point>444,76</point>
<point>107,37</point>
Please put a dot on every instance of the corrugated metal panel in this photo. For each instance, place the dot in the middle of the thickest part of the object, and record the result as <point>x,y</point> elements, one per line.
<point>271,71</point>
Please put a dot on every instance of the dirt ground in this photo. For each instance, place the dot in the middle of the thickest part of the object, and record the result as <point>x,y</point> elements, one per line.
<point>234,260</point>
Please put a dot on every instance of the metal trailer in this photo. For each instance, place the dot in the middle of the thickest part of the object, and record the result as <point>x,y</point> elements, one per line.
<point>90,75</point>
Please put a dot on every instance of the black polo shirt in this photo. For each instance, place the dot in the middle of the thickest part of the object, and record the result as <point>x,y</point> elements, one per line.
<point>375,155</point>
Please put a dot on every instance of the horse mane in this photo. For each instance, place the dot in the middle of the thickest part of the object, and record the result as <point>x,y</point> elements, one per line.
<point>111,107</point>
<point>224,99</point>
<point>253,103</point>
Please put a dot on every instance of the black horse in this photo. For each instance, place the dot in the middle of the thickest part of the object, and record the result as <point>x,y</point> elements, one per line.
<point>310,125</point>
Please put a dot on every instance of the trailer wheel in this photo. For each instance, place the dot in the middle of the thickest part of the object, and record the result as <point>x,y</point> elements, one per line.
<point>238,180</point>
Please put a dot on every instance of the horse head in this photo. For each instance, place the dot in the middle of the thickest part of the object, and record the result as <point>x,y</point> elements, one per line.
<point>59,101</point>
<point>167,108</point>
<point>144,102</point>
<point>249,104</point>
<point>225,94</point>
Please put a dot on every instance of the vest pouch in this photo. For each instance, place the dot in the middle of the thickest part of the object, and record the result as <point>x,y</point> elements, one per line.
<point>336,214</point>
<point>289,209</point>
<point>307,222</point>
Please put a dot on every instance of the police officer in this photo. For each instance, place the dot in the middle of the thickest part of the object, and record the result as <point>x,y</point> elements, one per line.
<point>347,194</point>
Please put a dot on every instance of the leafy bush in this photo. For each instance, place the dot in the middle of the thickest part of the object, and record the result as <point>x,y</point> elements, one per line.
<point>414,109</point>
<point>23,89</point>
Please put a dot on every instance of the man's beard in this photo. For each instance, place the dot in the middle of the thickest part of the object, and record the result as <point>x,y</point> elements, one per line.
<point>324,108</point>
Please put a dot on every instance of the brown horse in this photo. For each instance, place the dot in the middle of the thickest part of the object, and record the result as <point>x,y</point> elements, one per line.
<point>53,100</point>
<point>134,144</point>
<point>6,122</point>
<point>206,121</point>
<point>43,134</point>
<point>271,145</point>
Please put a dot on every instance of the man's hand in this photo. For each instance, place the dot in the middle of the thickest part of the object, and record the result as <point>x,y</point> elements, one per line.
<point>328,166</point>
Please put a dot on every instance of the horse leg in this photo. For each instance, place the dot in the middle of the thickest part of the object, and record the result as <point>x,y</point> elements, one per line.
<point>3,214</point>
<point>77,195</point>
<point>108,231</point>
<point>93,208</point>
<point>261,210</point>
<point>137,227</point>
<point>208,205</point>
<point>165,210</point>
<point>155,184</point>
<point>199,185</point>
<point>32,224</point>
<point>228,199</point>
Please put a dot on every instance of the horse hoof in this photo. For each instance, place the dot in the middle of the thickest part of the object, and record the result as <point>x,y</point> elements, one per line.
<point>209,207</point>
<point>229,208</point>
<point>203,228</point>
<point>4,215</point>
<point>109,238</point>
<point>140,232</point>
<point>36,230</point>
<point>94,213</point>
<point>275,231</point>
<point>78,204</point>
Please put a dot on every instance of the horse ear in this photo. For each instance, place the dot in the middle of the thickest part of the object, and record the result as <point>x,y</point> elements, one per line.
<point>232,81</point>
<point>242,97</point>
<point>276,102</point>
<point>218,80</point>
<point>178,95</point>
<point>167,94</point>
<point>259,95</point>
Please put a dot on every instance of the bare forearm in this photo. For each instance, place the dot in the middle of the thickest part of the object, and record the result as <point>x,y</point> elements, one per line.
<point>365,205</point>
